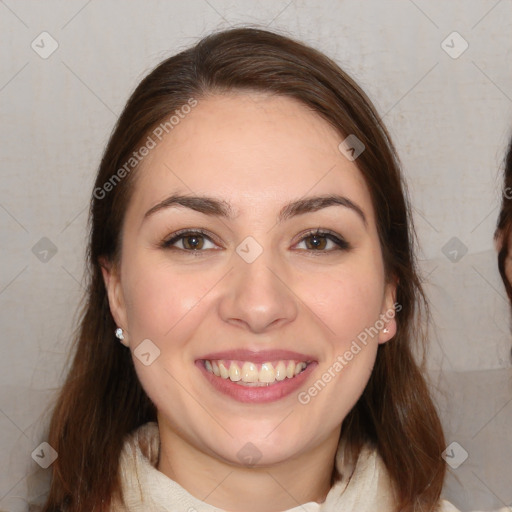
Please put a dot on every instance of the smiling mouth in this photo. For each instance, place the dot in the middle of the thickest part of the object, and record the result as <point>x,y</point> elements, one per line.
<point>247,373</point>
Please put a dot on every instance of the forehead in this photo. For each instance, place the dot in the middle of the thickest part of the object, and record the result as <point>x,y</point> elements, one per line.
<point>251,149</point>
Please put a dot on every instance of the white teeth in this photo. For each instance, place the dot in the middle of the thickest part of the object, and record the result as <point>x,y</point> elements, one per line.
<point>247,373</point>
<point>234,373</point>
<point>298,368</point>
<point>267,373</point>
<point>223,370</point>
<point>280,371</point>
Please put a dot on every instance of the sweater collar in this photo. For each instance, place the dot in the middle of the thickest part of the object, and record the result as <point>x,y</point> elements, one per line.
<point>364,487</point>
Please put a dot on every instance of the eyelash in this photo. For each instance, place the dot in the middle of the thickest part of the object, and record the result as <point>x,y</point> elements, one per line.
<point>342,244</point>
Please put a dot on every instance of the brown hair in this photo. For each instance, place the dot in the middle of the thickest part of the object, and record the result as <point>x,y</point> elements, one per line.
<point>102,400</point>
<point>504,227</point>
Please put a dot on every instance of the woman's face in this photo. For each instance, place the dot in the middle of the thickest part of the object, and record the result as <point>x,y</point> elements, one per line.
<point>508,260</point>
<point>255,287</point>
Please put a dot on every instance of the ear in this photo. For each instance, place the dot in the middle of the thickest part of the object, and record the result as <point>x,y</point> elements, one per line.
<point>388,313</point>
<point>116,302</point>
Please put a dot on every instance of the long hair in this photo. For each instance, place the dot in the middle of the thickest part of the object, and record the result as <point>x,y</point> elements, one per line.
<point>504,225</point>
<point>503,232</point>
<point>102,399</point>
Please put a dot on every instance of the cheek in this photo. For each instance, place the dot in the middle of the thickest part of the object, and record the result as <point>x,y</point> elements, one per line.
<point>349,306</point>
<point>348,300</point>
<point>165,306</point>
<point>158,298</point>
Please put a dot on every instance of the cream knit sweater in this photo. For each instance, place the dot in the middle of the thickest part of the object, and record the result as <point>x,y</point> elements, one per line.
<point>145,489</point>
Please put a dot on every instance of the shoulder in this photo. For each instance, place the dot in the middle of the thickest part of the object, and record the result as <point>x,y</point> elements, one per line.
<point>446,506</point>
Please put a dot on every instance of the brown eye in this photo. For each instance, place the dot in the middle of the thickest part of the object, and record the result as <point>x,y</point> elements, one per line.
<point>317,241</point>
<point>189,241</point>
<point>193,242</point>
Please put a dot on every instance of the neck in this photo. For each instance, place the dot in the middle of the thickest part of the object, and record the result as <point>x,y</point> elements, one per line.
<point>273,488</point>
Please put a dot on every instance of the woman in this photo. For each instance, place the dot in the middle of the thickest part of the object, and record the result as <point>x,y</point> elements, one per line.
<point>248,334</point>
<point>503,234</point>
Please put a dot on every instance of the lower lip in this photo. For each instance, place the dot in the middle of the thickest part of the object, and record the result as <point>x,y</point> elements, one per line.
<point>258,394</point>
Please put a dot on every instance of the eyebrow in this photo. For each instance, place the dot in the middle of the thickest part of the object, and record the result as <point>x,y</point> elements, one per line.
<point>220,208</point>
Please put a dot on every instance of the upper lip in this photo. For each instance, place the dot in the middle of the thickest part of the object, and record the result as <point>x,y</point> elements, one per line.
<point>262,356</point>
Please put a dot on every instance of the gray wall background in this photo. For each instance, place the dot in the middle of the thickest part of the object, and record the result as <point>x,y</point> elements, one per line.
<point>449,111</point>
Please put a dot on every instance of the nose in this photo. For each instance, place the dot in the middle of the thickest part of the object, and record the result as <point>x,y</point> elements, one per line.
<point>257,296</point>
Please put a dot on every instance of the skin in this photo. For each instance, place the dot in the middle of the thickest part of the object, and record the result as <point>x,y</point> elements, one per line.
<point>498,244</point>
<point>508,261</point>
<point>256,152</point>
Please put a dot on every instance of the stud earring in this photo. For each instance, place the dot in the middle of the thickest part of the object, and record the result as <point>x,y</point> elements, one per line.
<point>119,333</point>
<point>385,330</point>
